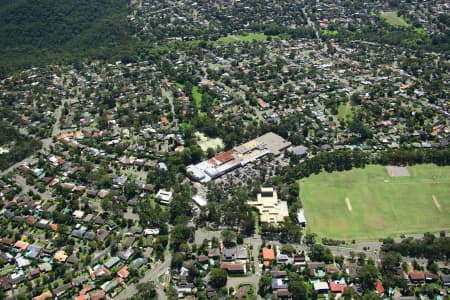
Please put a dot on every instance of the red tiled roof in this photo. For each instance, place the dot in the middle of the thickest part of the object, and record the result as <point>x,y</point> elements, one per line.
<point>6,241</point>
<point>225,156</point>
<point>21,244</point>
<point>404,86</point>
<point>416,275</point>
<point>98,295</point>
<point>331,269</point>
<point>43,296</point>
<point>179,149</point>
<point>123,273</point>
<point>232,266</point>
<point>268,254</point>
<point>261,102</point>
<point>379,287</point>
<point>86,289</point>
<point>31,220</point>
<point>337,287</point>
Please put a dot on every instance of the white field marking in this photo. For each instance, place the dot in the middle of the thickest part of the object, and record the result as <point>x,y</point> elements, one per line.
<point>436,202</point>
<point>349,205</point>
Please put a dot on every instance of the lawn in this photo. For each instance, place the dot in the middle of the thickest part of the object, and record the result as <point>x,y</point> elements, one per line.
<point>245,38</point>
<point>393,19</point>
<point>381,205</point>
<point>345,111</point>
<point>180,85</point>
<point>329,33</point>
<point>197,97</point>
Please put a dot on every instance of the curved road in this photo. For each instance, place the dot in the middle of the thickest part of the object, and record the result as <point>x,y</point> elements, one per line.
<point>151,275</point>
<point>46,143</point>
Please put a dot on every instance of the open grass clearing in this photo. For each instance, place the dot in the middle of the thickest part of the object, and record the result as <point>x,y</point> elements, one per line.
<point>381,205</point>
<point>242,38</point>
<point>255,216</point>
<point>180,85</point>
<point>205,142</point>
<point>393,19</point>
<point>345,111</point>
<point>197,96</point>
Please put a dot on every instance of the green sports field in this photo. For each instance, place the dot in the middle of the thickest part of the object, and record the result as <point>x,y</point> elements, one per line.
<point>381,205</point>
<point>245,38</point>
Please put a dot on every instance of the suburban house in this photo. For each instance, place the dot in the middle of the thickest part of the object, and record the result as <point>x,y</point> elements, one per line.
<point>164,197</point>
<point>229,254</point>
<point>321,287</point>
<point>268,256</point>
<point>445,279</point>
<point>214,253</point>
<point>234,268</point>
<point>241,254</point>
<point>337,286</point>
<point>416,277</point>
<point>379,287</point>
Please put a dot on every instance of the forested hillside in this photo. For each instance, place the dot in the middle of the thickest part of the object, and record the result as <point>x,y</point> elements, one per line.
<point>47,31</point>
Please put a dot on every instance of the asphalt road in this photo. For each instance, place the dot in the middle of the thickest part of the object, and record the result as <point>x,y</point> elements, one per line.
<point>46,143</point>
<point>25,188</point>
<point>253,279</point>
<point>151,275</point>
<point>167,93</point>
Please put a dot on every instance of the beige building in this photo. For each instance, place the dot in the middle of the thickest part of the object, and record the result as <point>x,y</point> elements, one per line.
<point>271,209</point>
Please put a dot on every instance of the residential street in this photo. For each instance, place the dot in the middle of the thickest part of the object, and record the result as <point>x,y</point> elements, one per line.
<point>151,275</point>
<point>26,188</point>
<point>195,149</point>
<point>256,243</point>
<point>167,93</point>
<point>46,143</point>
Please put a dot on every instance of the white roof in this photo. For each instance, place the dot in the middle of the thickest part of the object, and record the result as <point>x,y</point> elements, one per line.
<point>22,262</point>
<point>320,286</point>
<point>164,195</point>
<point>78,214</point>
<point>196,172</point>
<point>151,231</point>
<point>199,200</point>
<point>300,216</point>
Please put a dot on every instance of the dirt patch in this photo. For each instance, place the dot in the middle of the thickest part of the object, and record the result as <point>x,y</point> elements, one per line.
<point>205,142</point>
<point>349,205</point>
<point>396,171</point>
<point>436,202</point>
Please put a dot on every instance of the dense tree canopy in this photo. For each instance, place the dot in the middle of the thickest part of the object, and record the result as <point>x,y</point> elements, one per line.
<point>18,145</point>
<point>34,32</point>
